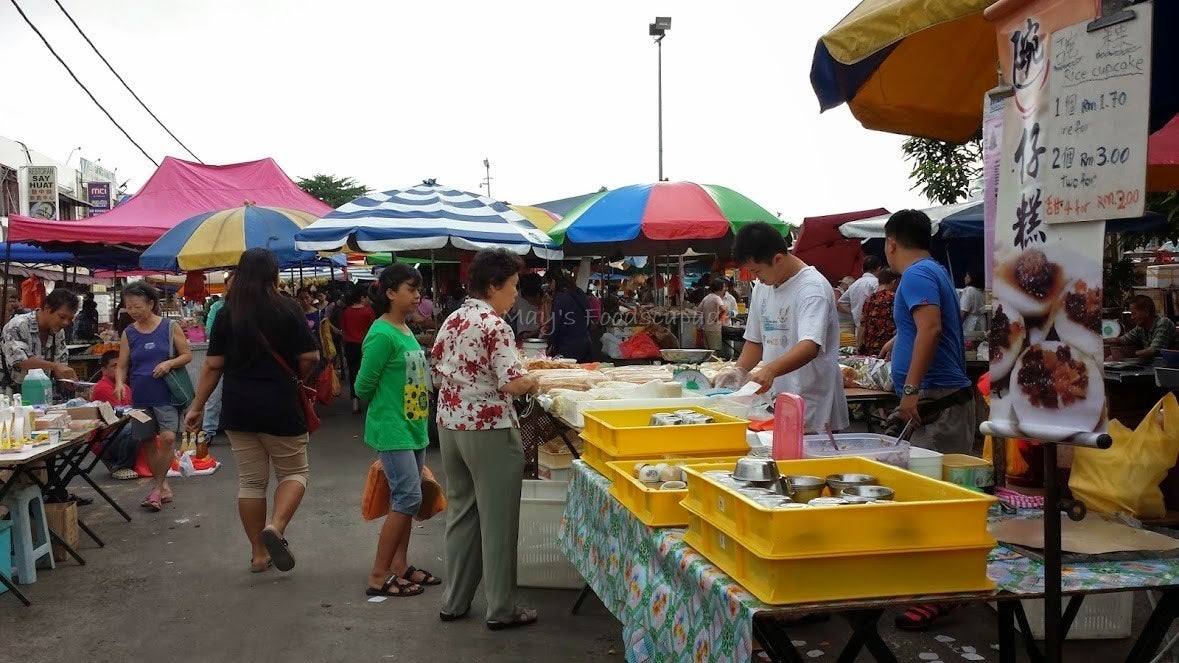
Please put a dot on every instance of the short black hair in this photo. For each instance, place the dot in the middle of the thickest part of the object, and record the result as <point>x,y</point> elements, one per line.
<point>717,286</point>
<point>492,268</point>
<point>530,285</point>
<point>355,294</point>
<point>301,290</point>
<point>1144,304</point>
<point>392,278</point>
<point>887,276</point>
<point>910,228</point>
<point>871,263</point>
<point>61,298</point>
<point>107,357</point>
<point>758,241</point>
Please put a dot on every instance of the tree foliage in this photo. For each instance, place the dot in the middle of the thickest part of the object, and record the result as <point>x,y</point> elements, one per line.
<point>334,191</point>
<point>943,171</point>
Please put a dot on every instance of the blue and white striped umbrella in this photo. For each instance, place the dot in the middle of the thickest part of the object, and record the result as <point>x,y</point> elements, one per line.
<point>426,217</point>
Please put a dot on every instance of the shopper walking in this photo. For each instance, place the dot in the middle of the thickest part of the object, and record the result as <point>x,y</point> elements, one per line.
<point>261,346</point>
<point>355,321</point>
<point>150,347</point>
<point>478,371</point>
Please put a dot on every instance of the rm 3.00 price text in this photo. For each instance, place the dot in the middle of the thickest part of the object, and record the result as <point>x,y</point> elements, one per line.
<point>1102,156</point>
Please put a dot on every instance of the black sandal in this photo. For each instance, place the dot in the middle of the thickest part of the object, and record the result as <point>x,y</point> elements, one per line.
<point>524,617</point>
<point>280,552</point>
<point>428,581</point>
<point>448,617</point>
<point>404,588</point>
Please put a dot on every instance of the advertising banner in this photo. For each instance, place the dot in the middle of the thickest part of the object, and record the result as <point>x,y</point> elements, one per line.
<point>1057,184</point>
<point>42,188</point>
<point>98,194</point>
<point>992,136</point>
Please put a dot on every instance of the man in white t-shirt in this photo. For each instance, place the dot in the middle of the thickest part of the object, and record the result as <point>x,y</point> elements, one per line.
<point>712,308</point>
<point>792,327</point>
<point>853,299</point>
<point>730,300</point>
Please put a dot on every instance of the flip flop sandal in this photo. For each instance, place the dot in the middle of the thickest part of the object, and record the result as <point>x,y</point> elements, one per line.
<point>404,588</point>
<point>280,553</point>
<point>523,618</point>
<point>260,568</point>
<point>923,616</point>
<point>428,579</point>
<point>152,502</point>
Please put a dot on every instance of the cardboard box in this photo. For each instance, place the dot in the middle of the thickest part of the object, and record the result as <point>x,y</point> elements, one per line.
<point>62,518</point>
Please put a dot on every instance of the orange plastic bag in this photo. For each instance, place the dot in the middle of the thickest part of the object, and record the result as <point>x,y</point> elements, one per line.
<point>1126,476</point>
<point>375,501</point>
<point>639,346</point>
<point>433,496</point>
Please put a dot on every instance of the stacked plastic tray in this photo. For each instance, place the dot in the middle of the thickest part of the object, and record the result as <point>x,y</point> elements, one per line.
<point>932,539</point>
<point>617,435</point>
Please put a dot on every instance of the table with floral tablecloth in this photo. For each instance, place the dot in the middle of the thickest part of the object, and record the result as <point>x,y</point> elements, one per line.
<point>675,605</point>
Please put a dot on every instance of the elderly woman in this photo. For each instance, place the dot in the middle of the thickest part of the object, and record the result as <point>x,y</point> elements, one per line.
<point>477,372</point>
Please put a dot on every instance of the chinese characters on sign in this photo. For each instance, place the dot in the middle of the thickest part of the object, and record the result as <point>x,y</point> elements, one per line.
<point>1098,99</point>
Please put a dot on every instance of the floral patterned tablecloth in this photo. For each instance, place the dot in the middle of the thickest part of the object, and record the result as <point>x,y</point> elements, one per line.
<point>675,605</point>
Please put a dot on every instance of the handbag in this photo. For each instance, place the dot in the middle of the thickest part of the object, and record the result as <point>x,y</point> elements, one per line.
<point>178,380</point>
<point>374,503</point>
<point>306,394</point>
<point>323,384</point>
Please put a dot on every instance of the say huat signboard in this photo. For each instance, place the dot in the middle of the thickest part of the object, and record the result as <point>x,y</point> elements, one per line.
<point>42,188</point>
<point>1072,155</point>
<point>98,194</point>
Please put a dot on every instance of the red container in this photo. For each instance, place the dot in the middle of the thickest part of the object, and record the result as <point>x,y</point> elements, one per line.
<point>789,415</point>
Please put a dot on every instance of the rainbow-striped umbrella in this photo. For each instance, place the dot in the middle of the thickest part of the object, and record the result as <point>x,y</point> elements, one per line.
<point>218,239</point>
<point>665,218</point>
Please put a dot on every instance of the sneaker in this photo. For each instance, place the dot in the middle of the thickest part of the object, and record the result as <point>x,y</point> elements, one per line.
<point>124,474</point>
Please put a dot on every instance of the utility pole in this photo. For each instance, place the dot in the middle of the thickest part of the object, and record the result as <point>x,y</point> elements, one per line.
<point>486,183</point>
<point>658,30</point>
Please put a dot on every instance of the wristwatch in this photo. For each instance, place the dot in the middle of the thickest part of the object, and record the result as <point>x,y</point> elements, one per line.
<point>910,390</point>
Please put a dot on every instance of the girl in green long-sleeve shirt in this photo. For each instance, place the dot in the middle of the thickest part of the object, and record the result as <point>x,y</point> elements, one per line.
<point>394,379</point>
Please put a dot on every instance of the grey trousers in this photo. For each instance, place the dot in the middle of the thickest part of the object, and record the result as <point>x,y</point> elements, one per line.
<point>952,430</point>
<point>484,470</point>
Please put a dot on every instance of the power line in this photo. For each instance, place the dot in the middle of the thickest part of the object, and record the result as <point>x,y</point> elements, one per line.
<point>108,66</point>
<point>80,84</point>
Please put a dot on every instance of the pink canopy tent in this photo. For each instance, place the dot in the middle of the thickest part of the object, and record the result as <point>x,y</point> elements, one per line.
<point>176,191</point>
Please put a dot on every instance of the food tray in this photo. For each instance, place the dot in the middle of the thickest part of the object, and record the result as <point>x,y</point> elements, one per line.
<point>598,459</point>
<point>927,514</point>
<point>574,414</point>
<point>628,433</point>
<point>883,448</point>
<point>653,507</point>
<point>841,577</point>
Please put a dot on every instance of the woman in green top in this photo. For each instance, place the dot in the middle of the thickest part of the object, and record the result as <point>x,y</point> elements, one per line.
<point>394,380</point>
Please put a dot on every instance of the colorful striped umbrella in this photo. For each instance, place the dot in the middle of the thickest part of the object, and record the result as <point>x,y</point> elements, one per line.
<point>665,218</point>
<point>541,219</point>
<point>218,239</point>
<point>427,217</point>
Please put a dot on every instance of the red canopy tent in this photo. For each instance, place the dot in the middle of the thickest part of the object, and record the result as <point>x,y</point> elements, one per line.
<point>176,191</point>
<point>1162,157</point>
<point>819,244</point>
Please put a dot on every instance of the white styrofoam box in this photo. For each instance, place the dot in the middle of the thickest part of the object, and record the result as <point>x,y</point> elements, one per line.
<point>546,473</point>
<point>925,462</point>
<point>1102,616</point>
<point>540,563</point>
<point>576,420</point>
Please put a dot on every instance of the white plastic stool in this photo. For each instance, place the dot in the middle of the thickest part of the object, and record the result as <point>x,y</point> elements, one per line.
<point>30,532</point>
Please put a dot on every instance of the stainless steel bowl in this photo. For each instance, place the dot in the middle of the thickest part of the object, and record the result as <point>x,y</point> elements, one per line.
<point>860,494</point>
<point>801,488</point>
<point>756,469</point>
<point>685,355</point>
<point>837,482</point>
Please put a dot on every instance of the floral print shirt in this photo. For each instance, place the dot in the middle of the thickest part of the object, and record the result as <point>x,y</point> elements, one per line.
<point>876,321</point>
<point>474,357</point>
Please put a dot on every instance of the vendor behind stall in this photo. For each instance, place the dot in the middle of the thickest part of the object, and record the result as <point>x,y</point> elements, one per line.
<point>792,327</point>
<point>1151,331</point>
<point>37,340</point>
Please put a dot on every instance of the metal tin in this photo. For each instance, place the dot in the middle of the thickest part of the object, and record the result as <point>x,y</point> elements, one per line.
<point>827,501</point>
<point>659,417</point>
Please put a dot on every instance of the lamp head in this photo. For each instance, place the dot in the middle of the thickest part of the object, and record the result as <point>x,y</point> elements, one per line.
<point>662,23</point>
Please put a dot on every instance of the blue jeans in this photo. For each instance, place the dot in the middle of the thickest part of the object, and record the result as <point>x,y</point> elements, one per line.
<point>403,471</point>
<point>212,419</point>
<point>120,452</point>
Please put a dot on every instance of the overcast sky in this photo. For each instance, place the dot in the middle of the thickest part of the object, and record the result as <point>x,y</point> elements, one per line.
<point>561,97</point>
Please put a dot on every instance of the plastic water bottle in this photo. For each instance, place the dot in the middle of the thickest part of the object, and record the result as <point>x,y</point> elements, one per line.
<point>37,389</point>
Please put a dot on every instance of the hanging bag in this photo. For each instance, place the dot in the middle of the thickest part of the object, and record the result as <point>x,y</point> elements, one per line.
<point>178,380</point>
<point>306,394</point>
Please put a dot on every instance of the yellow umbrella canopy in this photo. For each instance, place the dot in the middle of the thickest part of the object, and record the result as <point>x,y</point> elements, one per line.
<point>915,67</point>
<point>542,219</point>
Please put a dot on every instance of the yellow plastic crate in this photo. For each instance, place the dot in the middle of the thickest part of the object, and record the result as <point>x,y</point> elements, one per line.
<point>629,434</point>
<point>653,507</point>
<point>598,459</point>
<point>842,577</point>
<point>927,513</point>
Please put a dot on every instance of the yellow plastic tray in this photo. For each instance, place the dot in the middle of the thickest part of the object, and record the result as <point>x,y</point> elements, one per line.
<point>596,458</point>
<point>927,513</point>
<point>628,433</point>
<point>842,577</point>
<point>653,507</point>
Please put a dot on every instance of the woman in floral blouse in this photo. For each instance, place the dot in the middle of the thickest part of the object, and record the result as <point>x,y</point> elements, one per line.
<point>876,322</point>
<point>477,372</point>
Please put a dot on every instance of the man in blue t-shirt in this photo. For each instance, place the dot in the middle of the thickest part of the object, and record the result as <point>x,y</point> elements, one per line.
<point>928,352</point>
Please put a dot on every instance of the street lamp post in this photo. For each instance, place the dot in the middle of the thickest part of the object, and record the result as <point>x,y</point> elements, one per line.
<point>658,30</point>
<point>486,183</point>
